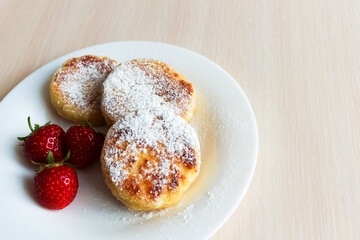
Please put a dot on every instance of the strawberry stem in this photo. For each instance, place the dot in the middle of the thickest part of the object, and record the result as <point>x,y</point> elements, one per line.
<point>50,157</point>
<point>67,157</point>
<point>88,124</point>
<point>51,161</point>
<point>33,130</point>
<point>21,138</point>
<point>29,123</point>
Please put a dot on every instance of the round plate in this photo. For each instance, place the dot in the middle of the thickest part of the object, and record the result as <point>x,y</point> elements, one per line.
<point>223,120</point>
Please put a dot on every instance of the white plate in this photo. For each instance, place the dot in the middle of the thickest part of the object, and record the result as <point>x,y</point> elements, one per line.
<point>223,120</point>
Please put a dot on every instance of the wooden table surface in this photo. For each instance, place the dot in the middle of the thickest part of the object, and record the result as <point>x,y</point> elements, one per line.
<point>298,62</point>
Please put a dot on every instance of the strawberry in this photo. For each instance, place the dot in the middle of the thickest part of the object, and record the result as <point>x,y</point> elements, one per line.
<point>84,144</point>
<point>43,139</point>
<point>55,184</point>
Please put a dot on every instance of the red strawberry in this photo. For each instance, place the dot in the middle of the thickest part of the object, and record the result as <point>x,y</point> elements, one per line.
<point>100,138</point>
<point>43,139</point>
<point>55,184</point>
<point>84,144</point>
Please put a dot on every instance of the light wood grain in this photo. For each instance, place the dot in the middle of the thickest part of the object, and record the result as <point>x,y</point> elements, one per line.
<point>297,61</point>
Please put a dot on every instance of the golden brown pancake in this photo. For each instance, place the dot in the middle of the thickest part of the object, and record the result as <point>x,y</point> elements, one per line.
<point>146,84</point>
<point>150,158</point>
<point>75,88</point>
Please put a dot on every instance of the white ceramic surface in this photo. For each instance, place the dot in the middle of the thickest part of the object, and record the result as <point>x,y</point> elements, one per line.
<point>223,120</point>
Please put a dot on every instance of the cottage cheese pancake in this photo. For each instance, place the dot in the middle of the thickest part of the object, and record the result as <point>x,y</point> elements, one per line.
<point>150,158</point>
<point>146,84</point>
<point>75,88</point>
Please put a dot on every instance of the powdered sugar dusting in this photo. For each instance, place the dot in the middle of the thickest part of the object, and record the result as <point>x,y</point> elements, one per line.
<point>145,84</point>
<point>121,216</point>
<point>156,134</point>
<point>186,213</point>
<point>80,80</point>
